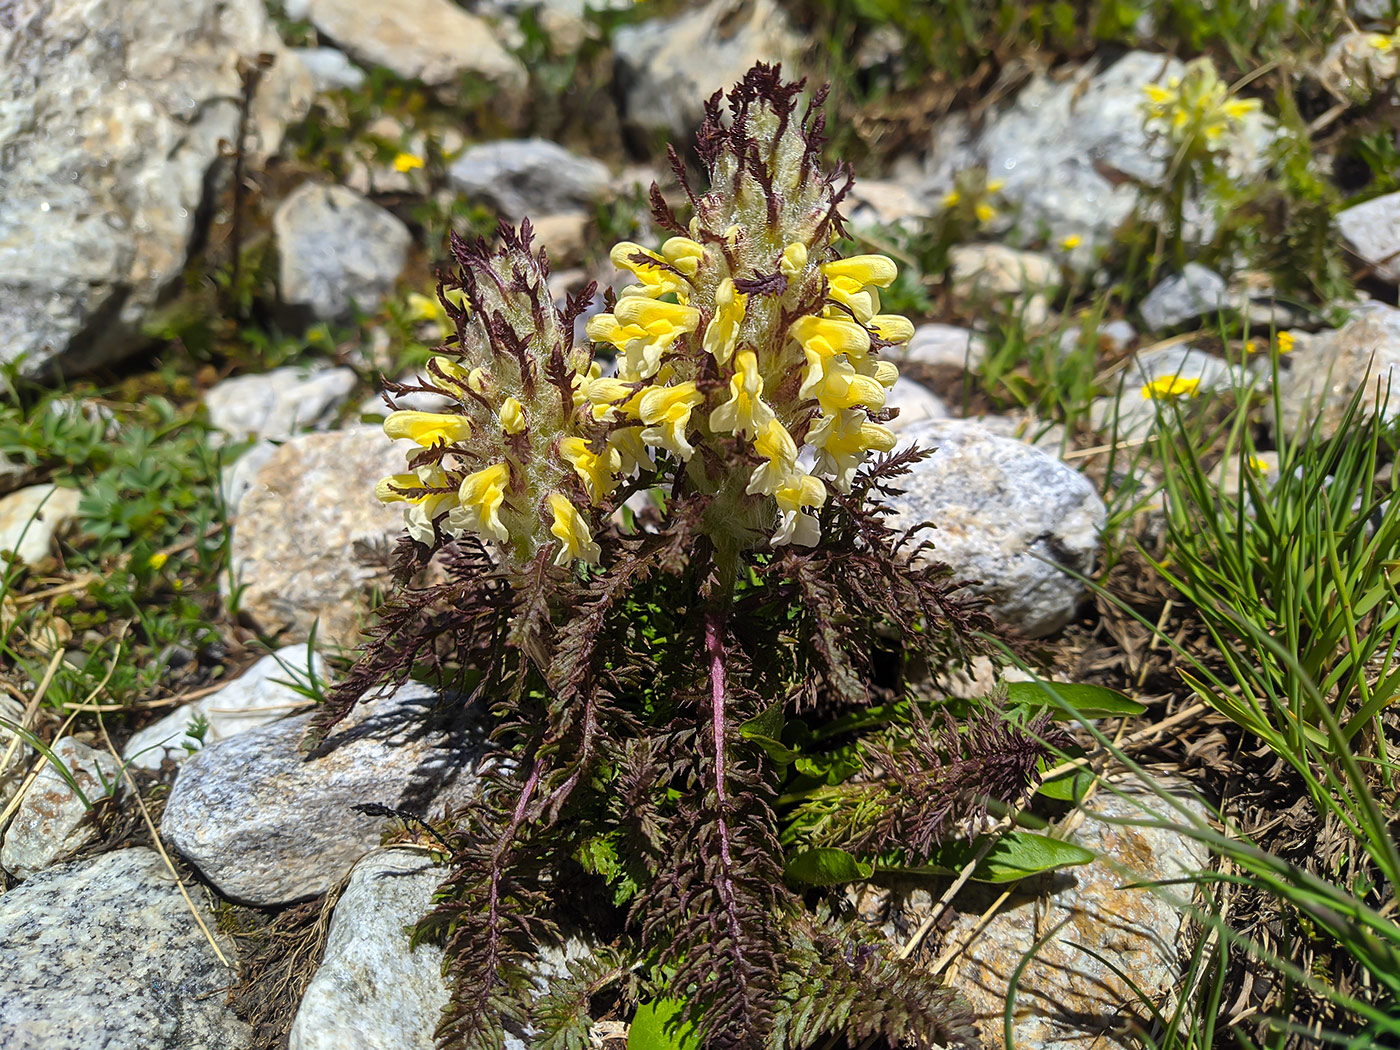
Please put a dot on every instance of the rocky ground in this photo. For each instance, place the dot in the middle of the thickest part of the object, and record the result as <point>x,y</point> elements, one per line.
<point>234,210</point>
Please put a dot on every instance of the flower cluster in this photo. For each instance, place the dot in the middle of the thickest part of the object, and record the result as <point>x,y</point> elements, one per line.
<point>747,364</point>
<point>1194,111</point>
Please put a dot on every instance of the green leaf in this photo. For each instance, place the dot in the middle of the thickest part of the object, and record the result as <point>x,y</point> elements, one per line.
<point>831,769</point>
<point>826,866</point>
<point>1089,701</point>
<point>765,729</point>
<point>657,1026</point>
<point>1070,786</point>
<point>1016,855</point>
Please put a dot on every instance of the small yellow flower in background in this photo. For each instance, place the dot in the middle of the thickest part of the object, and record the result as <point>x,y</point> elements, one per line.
<point>1171,388</point>
<point>406,162</point>
<point>572,530</point>
<point>1195,110</point>
<point>1257,466</point>
<point>157,560</point>
<point>1251,347</point>
<point>996,185</point>
<point>1286,341</point>
<point>984,212</point>
<point>1071,242</point>
<point>951,199</point>
<point>1381,42</point>
<point>423,308</point>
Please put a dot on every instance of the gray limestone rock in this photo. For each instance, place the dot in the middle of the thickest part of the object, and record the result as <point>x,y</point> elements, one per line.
<point>1008,515</point>
<point>51,821</point>
<point>112,116</point>
<point>104,953</point>
<point>995,269</point>
<point>280,403</point>
<point>298,547</point>
<point>237,477</point>
<point>526,177</point>
<point>260,695</point>
<point>1372,230</point>
<point>330,70</point>
<point>30,517</point>
<point>916,403</point>
<point>434,41</point>
<point>1193,293</point>
<point>15,754</point>
<point>939,354</point>
<point>666,68</point>
<point>337,251</point>
<point>1326,370</point>
<point>268,825</point>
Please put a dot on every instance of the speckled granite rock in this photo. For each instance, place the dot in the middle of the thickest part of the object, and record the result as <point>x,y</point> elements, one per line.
<point>112,122</point>
<point>30,517</point>
<point>337,251</point>
<point>528,177</point>
<point>13,771</point>
<point>372,992</point>
<point>267,825</point>
<point>278,404</point>
<point>51,821</point>
<point>296,529</point>
<point>104,954</point>
<point>1067,999</point>
<point>256,697</point>
<point>1008,515</point>
<point>916,404</point>
<point>434,41</point>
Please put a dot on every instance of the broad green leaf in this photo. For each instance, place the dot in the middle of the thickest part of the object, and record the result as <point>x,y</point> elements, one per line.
<point>834,768</point>
<point>657,1026</point>
<point>765,730</point>
<point>1090,701</point>
<point>826,866</point>
<point>1016,855</point>
<point>1070,786</point>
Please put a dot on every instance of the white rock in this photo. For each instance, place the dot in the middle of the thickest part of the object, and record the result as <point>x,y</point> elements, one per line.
<point>876,203</point>
<point>30,517</point>
<point>434,41</point>
<point>260,695</point>
<point>113,120</point>
<point>330,70</point>
<point>237,478</point>
<point>280,403</point>
<point>51,821</point>
<point>527,177</point>
<point>268,825</point>
<point>995,269</point>
<point>1007,515</point>
<point>1325,371</point>
<point>939,355</point>
<point>666,69</point>
<point>1372,231</point>
<point>1194,293</point>
<point>13,770</point>
<point>105,953</point>
<point>916,403</point>
<point>337,251</point>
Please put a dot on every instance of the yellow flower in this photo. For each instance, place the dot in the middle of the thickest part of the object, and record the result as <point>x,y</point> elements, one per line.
<point>984,212</point>
<point>951,199</point>
<point>423,308</point>
<point>892,328</point>
<point>661,325</point>
<point>1257,466</point>
<point>1171,388</point>
<point>1380,41</point>
<point>1251,347</point>
<point>478,380</point>
<point>745,412</point>
<point>427,428</point>
<point>666,412</point>
<point>1071,242</point>
<point>575,541</point>
<point>722,333</point>
<point>886,374</point>
<point>406,162</point>
<point>843,439</point>
<point>1286,341</point>
<point>794,259</point>
<point>798,492</point>
<point>822,339</point>
<point>480,497</point>
<point>157,560</point>
<point>597,471</point>
<point>996,185</point>
<point>843,387</point>
<point>652,270</point>
<point>631,451</point>
<point>423,507</point>
<point>867,269</point>
<point>775,445</point>
<point>512,416</point>
<point>601,393</point>
<point>684,254</point>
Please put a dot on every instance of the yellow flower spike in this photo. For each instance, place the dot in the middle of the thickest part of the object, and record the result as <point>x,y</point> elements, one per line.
<point>843,439</point>
<point>662,324</point>
<point>984,212</point>
<point>867,269</point>
<point>653,272</point>
<point>427,428</point>
<point>1286,341</point>
<point>1171,388</point>
<point>569,526</point>
<point>480,497</point>
<point>843,387</point>
<point>512,416</point>
<point>775,445</point>
<point>722,333</point>
<point>684,254</point>
<point>666,412</point>
<point>745,412</point>
<point>798,492</point>
<point>892,328</point>
<point>794,259</point>
<point>597,471</point>
<point>406,162</point>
